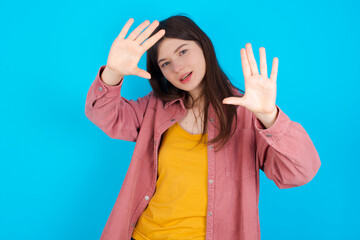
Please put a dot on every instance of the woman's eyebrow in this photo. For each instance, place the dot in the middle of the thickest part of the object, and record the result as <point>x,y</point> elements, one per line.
<point>177,49</point>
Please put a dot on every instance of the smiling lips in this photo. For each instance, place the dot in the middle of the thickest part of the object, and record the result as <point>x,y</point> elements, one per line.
<point>185,75</point>
<point>186,78</point>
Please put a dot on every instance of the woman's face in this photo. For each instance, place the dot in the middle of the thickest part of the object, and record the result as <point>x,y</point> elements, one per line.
<point>177,58</point>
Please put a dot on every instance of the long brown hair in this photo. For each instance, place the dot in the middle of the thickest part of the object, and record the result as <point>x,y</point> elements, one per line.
<point>216,84</point>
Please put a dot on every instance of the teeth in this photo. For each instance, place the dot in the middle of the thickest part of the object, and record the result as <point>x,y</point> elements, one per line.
<point>185,76</point>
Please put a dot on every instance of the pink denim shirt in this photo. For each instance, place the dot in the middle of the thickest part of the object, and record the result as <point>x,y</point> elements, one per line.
<point>284,152</point>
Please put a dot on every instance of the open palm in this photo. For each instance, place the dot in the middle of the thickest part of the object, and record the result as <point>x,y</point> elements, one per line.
<point>260,91</point>
<point>125,53</point>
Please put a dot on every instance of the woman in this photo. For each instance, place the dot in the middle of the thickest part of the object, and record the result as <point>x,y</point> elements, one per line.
<point>200,143</point>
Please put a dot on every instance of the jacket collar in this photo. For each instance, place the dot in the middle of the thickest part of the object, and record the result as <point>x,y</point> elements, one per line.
<point>180,99</point>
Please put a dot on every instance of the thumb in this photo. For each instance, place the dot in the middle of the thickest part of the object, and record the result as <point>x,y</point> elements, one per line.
<point>234,101</point>
<point>142,73</point>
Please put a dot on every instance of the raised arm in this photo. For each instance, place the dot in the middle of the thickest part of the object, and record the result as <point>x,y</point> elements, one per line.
<point>118,117</point>
<point>284,150</point>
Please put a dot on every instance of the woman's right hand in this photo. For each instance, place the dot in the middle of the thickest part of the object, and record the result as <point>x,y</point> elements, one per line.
<point>125,53</point>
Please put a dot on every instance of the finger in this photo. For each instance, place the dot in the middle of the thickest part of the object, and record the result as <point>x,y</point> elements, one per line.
<point>263,66</point>
<point>135,33</point>
<point>234,101</point>
<point>245,64</point>
<point>125,29</point>
<point>145,34</point>
<point>274,70</point>
<point>252,61</point>
<point>151,41</point>
<point>142,73</point>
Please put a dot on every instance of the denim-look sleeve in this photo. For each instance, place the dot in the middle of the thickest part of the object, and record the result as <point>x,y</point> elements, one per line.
<point>285,152</point>
<point>118,117</point>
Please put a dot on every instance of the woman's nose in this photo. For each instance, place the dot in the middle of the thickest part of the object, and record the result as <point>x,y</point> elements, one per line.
<point>178,66</point>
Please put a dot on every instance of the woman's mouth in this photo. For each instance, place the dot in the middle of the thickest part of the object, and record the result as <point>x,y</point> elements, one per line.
<point>186,78</point>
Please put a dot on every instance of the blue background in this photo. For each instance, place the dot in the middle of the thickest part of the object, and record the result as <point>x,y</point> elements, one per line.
<point>60,175</point>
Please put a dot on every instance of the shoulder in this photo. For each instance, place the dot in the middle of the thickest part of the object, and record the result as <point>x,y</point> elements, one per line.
<point>154,101</point>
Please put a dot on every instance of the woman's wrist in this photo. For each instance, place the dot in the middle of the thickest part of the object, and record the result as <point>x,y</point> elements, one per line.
<point>268,119</point>
<point>111,78</point>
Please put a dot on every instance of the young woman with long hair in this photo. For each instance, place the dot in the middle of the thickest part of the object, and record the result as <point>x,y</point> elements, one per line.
<point>200,141</point>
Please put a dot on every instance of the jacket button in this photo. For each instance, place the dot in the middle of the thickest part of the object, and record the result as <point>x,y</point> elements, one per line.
<point>133,224</point>
<point>211,119</point>
<point>172,119</point>
<point>147,198</point>
<point>211,181</point>
<point>100,89</point>
<point>268,135</point>
<point>210,214</point>
<point>210,147</point>
<point>155,142</point>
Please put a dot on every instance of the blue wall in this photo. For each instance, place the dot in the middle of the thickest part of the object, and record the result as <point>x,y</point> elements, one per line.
<point>60,174</point>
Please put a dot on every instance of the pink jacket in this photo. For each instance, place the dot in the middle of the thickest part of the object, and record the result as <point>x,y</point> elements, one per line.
<point>284,152</point>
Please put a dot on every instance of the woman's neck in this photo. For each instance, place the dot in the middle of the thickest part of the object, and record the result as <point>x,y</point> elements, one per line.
<point>198,103</point>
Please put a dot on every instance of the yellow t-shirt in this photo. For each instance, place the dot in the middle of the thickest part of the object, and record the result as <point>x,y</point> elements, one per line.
<point>178,208</point>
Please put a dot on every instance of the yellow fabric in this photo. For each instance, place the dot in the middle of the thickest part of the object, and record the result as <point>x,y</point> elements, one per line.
<point>178,208</point>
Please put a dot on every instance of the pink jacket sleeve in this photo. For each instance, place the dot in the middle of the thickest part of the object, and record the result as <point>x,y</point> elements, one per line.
<point>285,152</point>
<point>118,117</point>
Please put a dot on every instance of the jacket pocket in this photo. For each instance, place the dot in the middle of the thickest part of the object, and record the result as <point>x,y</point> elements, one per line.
<point>240,155</point>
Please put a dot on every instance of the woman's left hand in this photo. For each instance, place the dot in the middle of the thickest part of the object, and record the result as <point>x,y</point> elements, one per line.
<point>260,91</point>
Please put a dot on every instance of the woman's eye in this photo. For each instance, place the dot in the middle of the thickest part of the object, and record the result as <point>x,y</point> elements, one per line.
<point>185,50</point>
<point>164,64</point>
